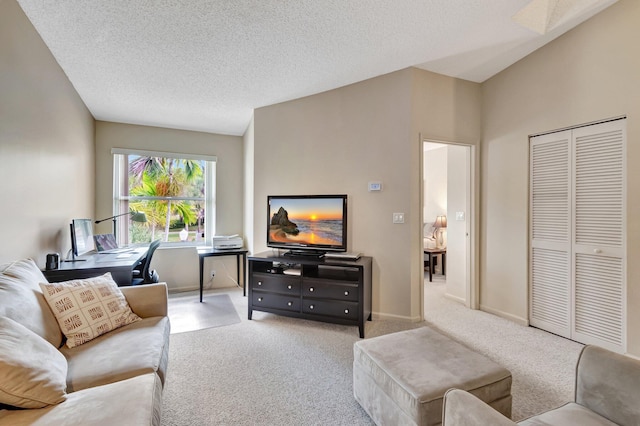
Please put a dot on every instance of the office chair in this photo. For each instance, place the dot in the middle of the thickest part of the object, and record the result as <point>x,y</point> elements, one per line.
<point>141,273</point>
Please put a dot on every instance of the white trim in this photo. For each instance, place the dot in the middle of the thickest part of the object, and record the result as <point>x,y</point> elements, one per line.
<point>210,202</point>
<point>472,285</point>
<point>591,123</point>
<point>380,316</point>
<point>455,298</point>
<point>518,320</point>
<point>144,153</point>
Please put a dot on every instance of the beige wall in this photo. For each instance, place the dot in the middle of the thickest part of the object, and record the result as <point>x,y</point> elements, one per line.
<point>249,139</point>
<point>590,73</point>
<point>179,266</point>
<point>435,183</point>
<point>448,110</point>
<point>46,145</point>
<point>338,141</point>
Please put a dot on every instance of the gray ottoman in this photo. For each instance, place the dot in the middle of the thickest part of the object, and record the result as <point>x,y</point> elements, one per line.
<point>401,378</point>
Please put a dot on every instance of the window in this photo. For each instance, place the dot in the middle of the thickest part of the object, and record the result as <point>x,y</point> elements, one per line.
<point>176,193</point>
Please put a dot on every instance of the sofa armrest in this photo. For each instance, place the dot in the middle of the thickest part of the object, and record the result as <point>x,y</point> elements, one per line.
<point>609,384</point>
<point>463,409</point>
<point>148,300</point>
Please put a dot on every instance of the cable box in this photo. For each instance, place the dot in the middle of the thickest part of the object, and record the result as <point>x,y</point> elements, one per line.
<point>347,255</point>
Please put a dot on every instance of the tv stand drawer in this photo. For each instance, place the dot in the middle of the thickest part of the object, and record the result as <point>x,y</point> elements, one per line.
<point>278,283</point>
<point>346,310</point>
<point>275,301</point>
<point>320,289</point>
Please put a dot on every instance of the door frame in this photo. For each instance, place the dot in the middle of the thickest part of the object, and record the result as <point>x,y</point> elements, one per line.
<point>472,299</point>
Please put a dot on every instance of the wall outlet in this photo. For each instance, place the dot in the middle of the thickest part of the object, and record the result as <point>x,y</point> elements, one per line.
<point>213,274</point>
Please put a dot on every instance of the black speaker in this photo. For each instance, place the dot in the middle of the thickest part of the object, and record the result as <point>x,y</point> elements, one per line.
<point>53,261</point>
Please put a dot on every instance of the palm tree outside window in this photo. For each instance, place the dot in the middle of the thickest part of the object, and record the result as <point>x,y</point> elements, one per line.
<point>175,191</point>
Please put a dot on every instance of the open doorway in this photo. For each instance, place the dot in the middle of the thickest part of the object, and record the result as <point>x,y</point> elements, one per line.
<point>448,219</point>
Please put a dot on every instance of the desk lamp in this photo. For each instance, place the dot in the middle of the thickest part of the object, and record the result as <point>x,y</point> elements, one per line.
<point>135,216</point>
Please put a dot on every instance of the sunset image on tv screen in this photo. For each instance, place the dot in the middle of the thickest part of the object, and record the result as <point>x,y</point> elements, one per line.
<point>306,221</point>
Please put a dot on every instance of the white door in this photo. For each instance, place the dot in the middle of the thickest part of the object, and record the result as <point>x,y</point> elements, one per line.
<point>577,228</point>
<point>550,233</point>
<point>447,189</point>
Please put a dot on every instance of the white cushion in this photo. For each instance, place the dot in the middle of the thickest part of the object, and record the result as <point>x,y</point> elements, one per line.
<point>21,300</point>
<point>33,371</point>
<point>88,308</point>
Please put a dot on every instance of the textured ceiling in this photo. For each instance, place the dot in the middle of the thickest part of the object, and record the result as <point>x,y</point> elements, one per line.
<point>206,64</point>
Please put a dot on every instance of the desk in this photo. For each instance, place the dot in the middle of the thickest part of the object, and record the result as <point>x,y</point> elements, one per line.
<point>95,264</point>
<point>433,253</point>
<point>211,252</point>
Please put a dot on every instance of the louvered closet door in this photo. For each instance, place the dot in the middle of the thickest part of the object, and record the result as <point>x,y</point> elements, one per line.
<point>550,252</point>
<point>599,315</point>
<point>577,234</point>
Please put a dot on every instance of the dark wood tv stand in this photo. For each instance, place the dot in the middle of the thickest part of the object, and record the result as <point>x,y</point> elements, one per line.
<point>329,290</point>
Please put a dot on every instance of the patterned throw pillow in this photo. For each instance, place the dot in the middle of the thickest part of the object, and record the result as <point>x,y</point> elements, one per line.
<point>88,308</point>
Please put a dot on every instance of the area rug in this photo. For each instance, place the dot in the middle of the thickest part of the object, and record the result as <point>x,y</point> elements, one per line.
<point>186,313</point>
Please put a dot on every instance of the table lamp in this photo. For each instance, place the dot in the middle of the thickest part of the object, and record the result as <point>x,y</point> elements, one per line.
<point>441,222</point>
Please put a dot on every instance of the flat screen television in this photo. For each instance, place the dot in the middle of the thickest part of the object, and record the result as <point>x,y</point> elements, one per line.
<point>307,224</point>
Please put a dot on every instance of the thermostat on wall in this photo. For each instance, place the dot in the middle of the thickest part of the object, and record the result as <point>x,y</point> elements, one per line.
<point>375,186</point>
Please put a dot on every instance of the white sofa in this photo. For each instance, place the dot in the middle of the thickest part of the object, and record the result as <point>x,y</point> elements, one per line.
<point>607,393</point>
<point>114,379</point>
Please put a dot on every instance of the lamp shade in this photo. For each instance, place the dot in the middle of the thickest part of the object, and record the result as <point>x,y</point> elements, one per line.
<point>441,222</point>
<point>138,217</point>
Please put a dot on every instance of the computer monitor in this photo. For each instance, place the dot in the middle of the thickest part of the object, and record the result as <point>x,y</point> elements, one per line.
<point>82,236</point>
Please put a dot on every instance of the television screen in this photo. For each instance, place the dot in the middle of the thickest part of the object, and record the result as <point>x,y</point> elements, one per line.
<point>307,222</point>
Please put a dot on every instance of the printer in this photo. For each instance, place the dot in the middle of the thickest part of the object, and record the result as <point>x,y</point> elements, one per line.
<point>222,242</point>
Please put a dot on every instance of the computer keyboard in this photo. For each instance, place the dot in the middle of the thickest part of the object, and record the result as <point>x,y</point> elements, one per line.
<point>115,251</point>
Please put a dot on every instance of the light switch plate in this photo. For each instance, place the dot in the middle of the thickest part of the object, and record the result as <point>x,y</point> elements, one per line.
<point>398,218</point>
<point>459,215</point>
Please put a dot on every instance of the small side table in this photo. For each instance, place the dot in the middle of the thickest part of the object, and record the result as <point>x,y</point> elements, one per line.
<point>433,253</point>
<point>211,252</point>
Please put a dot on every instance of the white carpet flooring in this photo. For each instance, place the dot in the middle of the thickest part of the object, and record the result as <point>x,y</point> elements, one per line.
<point>282,371</point>
<point>542,364</point>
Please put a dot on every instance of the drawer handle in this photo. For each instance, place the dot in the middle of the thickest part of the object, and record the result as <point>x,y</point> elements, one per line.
<point>259,282</point>
<point>289,303</point>
<point>289,287</point>
<point>311,289</point>
<point>346,293</point>
<point>310,306</point>
<point>346,311</point>
<point>259,299</point>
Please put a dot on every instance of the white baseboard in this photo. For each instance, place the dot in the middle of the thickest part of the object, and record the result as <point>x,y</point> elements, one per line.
<point>455,298</point>
<point>518,320</point>
<point>180,289</point>
<point>380,316</point>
